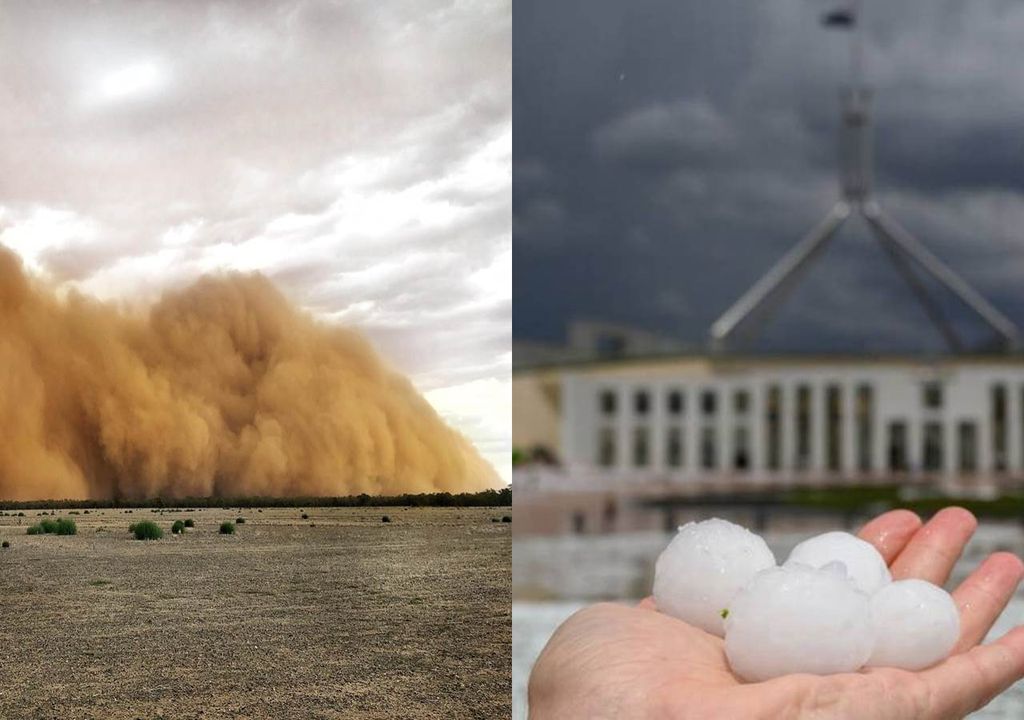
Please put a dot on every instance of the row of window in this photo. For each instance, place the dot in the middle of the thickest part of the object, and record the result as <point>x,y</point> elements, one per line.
<point>897,454</point>
<point>897,457</point>
<point>675,400</point>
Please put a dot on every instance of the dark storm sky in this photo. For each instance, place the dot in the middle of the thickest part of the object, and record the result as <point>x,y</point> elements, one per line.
<point>666,152</point>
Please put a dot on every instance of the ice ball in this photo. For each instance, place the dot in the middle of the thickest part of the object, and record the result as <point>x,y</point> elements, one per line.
<point>916,625</point>
<point>864,564</point>
<point>798,619</point>
<point>703,567</point>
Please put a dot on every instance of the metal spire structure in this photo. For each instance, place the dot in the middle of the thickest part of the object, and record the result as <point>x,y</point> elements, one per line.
<point>748,314</point>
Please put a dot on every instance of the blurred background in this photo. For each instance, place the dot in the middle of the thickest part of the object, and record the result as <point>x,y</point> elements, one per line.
<point>767,267</point>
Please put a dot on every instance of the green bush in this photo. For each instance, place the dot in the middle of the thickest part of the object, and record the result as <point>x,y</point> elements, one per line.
<point>227,528</point>
<point>63,526</point>
<point>66,526</point>
<point>178,527</point>
<point>240,521</point>
<point>189,523</point>
<point>147,530</point>
<point>131,528</point>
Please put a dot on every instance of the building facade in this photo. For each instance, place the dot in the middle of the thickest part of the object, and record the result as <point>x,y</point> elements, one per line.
<point>957,421</point>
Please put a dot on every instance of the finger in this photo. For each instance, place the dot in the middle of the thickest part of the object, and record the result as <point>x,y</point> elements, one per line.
<point>935,548</point>
<point>968,681</point>
<point>890,532</point>
<point>647,604</point>
<point>984,594</point>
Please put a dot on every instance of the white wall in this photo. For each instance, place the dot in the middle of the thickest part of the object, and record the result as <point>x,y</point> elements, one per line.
<point>897,396</point>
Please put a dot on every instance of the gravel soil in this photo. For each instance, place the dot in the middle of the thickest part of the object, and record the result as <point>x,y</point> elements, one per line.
<point>336,616</point>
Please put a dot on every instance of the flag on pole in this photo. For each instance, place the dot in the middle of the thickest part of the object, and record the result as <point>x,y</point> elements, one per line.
<point>841,19</point>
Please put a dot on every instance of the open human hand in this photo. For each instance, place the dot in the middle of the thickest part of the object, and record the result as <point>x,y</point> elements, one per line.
<point>614,661</point>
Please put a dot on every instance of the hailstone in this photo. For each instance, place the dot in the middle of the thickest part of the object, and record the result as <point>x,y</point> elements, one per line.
<point>701,570</point>
<point>916,625</point>
<point>798,619</point>
<point>865,565</point>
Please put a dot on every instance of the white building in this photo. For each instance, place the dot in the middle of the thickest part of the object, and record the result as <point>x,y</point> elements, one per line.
<point>821,420</point>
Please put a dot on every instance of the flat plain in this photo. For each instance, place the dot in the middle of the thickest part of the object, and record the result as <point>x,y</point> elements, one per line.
<point>338,615</point>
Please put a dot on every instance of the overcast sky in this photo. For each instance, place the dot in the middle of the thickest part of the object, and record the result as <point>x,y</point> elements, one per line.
<point>357,152</point>
<point>667,152</point>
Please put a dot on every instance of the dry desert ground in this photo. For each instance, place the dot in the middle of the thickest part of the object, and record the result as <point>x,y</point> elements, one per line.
<point>336,616</point>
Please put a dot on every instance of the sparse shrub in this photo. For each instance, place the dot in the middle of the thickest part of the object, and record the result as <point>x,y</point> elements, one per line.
<point>131,527</point>
<point>21,514</point>
<point>178,527</point>
<point>385,519</point>
<point>227,528</point>
<point>494,520</point>
<point>35,530</point>
<point>190,523</point>
<point>240,521</point>
<point>5,544</point>
<point>506,518</point>
<point>65,526</point>
<point>147,530</point>
<point>73,512</point>
<point>86,512</point>
<point>305,516</point>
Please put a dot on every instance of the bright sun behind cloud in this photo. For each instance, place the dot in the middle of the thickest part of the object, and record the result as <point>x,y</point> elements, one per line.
<point>131,81</point>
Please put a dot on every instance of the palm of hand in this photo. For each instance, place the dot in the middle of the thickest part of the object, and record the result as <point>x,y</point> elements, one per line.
<point>613,661</point>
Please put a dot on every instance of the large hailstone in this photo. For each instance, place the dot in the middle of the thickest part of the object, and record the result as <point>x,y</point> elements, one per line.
<point>916,625</point>
<point>865,565</point>
<point>798,619</point>
<point>702,569</point>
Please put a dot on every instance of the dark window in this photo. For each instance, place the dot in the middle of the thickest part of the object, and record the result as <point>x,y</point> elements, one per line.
<point>641,447</point>
<point>803,426</point>
<point>708,402</point>
<point>834,427</point>
<point>642,402</point>
<point>898,446</point>
<point>931,450</point>
<point>931,395</point>
<point>998,403</point>
<point>741,402</point>
<point>675,403</point>
<point>708,449</point>
<point>773,426</point>
<point>741,449</point>
<point>967,439</point>
<point>674,448</point>
<point>865,427</point>
<point>606,447</point>
<point>608,402</point>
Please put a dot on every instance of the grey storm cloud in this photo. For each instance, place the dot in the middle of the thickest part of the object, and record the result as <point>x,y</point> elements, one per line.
<point>708,130</point>
<point>357,152</point>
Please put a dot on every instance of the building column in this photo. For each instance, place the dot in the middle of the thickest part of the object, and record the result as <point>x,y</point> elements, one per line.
<point>950,457</point>
<point>757,429</point>
<point>624,458</point>
<point>658,427</point>
<point>819,416</point>
<point>848,437</point>
<point>788,469</point>
<point>691,430</point>
<point>726,421</point>
<point>1013,428</point>
<point>914,439</point>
